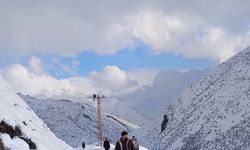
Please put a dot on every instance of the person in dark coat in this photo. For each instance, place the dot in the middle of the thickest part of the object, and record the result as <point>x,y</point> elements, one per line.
<point>83,145</point>
<point>106,144</point>
<point>124,143</point>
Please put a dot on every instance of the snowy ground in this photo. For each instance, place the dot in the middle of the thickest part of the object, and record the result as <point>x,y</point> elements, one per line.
<point>93,147</point>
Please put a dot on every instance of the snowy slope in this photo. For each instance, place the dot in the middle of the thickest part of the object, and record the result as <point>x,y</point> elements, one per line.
<point>213,113</point>
<point>166,86</point>
<point>16,113</point>
<point>112,147</point>
<point>123,122</point>
<point>124,110</point>
<point>75,122</point>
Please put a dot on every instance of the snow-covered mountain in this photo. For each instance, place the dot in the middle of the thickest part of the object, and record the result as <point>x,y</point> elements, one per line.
<point>20,128</point>
<point>124,110</point>
<point>76,122</point>
<point>166,86</point>
<point>213,113</point>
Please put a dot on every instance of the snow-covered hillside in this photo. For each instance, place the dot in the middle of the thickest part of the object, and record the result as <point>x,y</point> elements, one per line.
<point>166,86</point>
<point>213,113</point>
<point>20,128</point>
<point>75,122</point>
<point>124,110</point>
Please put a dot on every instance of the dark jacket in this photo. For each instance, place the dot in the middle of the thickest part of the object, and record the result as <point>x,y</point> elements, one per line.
<point>83,145</point>
<point>106,145</point>
<point>124,145</point>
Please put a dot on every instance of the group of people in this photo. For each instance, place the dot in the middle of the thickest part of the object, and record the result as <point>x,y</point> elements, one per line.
<point>124,143</point>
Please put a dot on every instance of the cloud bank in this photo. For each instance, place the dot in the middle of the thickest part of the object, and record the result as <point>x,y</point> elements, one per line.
<point>36,81</point>
<point>194,29</point>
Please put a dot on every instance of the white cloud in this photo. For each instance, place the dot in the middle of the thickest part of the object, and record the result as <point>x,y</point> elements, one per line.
<point>66,28</point>
<point>218,44</point>
<point>110,81</point>
<point>144,77</point>
<point>36,66</point>
<point>160,30</point>
<point>113,78</point>
<point>25,81</point>
<point>188,35</point>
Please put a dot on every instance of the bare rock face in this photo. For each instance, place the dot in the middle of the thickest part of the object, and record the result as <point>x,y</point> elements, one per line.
<point>12,132</point>
<point>1,145</point>
<point>212,113</point>
<point>15,132</point>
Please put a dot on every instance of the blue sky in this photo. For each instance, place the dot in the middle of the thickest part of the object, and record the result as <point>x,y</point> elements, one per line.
<point>136,59</point>
<point>140,57</point>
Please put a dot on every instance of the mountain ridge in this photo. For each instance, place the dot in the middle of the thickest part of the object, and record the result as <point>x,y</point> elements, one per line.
<point>76,122</point>
<point>207,113</point>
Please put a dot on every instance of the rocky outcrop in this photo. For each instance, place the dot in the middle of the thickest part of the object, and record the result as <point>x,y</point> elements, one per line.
<point>164,123</point>
<point>14,132</point>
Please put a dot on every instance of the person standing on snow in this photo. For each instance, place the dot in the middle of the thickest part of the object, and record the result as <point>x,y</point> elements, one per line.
<point>124,143</point>
<point>106,144</point>
<point>135,143</point>
<point>83,145</point>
